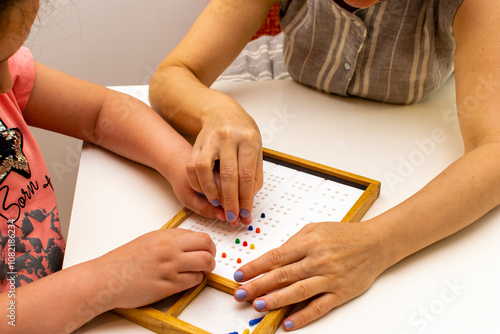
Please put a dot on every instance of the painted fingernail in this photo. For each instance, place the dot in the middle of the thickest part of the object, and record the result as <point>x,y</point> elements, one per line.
<point>260,304</point>
<point>288,324</point>
<point>241,294</point>
<point>238,276</point>
<point>230,216</point>
<point>244,213</point>
<point>215,202</point>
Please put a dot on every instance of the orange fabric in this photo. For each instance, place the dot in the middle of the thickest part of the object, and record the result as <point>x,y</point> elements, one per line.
<point>272,24</point>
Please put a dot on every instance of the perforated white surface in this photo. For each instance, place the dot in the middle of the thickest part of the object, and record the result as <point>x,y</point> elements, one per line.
<point>290,199</point>
<point>218,317</point>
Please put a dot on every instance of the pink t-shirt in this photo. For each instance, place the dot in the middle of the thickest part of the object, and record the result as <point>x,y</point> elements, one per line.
<point>32,245</point>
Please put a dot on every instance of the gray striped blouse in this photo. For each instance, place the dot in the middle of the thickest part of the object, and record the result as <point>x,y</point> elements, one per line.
<point>396,51</point>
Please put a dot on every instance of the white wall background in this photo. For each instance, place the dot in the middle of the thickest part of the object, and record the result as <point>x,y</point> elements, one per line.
<point>110,42</point>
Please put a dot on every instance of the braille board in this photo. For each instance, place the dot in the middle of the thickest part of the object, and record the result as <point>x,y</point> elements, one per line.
<point>296,192</point>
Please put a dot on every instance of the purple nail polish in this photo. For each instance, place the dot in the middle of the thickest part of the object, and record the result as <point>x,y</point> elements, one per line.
<point>260,304</point>
<point>238,276</point>
<point>288,324</point>
<point>241,294</point>
<point>244,213</point>
<point>215,202</point>
<point>230,216</point>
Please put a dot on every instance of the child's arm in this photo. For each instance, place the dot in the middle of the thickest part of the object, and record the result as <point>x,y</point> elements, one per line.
<point>143,271</point>
<point>117,122</point>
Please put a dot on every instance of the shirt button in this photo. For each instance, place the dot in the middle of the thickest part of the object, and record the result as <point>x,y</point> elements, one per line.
<point>347,66</point>
<point>356,23</point>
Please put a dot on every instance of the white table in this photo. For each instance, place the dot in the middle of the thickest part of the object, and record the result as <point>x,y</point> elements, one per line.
<point>450,287</point>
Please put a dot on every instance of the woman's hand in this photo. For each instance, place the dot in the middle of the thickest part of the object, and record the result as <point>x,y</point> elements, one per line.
<point>226,163</point>
<point>330,262</point>
<point>156,265</point>
<point>228,140</point>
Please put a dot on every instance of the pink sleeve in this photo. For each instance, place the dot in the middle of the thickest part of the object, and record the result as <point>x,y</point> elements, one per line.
<point>22,69</point>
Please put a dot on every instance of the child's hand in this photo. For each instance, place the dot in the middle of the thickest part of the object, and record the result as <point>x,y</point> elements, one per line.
<point>154,266</point>
<point>329,262</point>
<point>190,198</point>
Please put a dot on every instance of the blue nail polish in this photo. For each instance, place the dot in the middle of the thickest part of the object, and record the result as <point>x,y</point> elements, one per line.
<point>230,216</point>
<point>288,324</point>
<point>260,304</point>
<point>241,294</point>
<point>238,276</point>
<point>215,202</point>
<point>244,213</point>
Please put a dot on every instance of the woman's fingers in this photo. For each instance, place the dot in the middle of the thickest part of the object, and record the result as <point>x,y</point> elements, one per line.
<point>290,293</point>
<point>228,172</point>
<point>280,266</point>
<point>229,149</point>
<point>315,309</point>
<point>248,174</point>
<point>324,264</point>
<point>259,174</point>
<point>205,177</point>
<point>291,288</point>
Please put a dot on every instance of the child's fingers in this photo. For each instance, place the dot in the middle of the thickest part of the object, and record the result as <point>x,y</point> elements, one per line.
<point>183,281</point>
<point>197,261</point>
<point>197,241</point>
<point>202,207</point>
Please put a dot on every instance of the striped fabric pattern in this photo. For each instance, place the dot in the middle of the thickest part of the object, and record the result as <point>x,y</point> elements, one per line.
<point>396,51</point>
<point>262,59</point>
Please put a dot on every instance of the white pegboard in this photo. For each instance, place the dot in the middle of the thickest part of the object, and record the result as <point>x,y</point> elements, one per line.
<point>218,317</point>
<point>289,199</point>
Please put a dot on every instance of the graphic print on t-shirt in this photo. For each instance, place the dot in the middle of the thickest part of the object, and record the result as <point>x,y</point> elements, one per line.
<point>30,224</point>
<point>12,157</point>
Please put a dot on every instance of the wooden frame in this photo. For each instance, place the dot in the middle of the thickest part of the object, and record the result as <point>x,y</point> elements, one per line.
<point>160,322</point>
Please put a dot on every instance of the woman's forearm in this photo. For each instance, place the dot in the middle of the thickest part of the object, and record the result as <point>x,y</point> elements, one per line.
<point>179,88</point>
<point>454,199</point>
<point>180,98</point>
